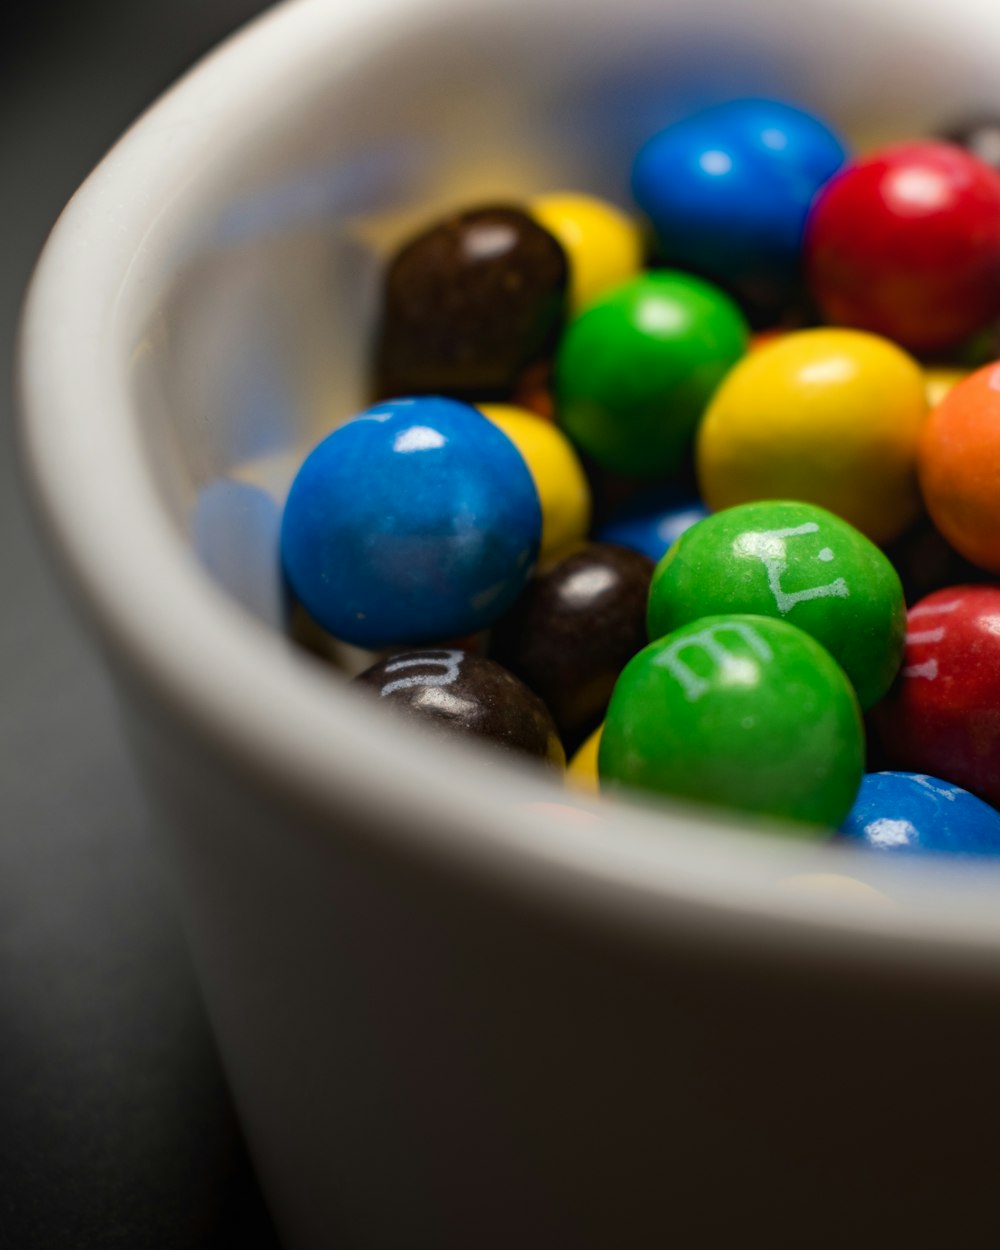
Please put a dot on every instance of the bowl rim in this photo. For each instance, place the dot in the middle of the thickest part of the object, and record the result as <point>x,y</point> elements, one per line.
<point>245,692</point>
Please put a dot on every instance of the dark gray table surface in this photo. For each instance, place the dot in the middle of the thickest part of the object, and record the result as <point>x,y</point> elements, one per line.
<point>115,1124</point>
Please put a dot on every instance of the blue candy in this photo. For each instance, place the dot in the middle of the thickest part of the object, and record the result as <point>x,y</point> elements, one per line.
<point>654,522</point>
<point>416,521</point>
<point>728,190</point>
<point>913,812</point>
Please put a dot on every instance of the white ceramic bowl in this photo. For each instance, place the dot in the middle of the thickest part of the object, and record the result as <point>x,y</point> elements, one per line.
<point>453,1016</point>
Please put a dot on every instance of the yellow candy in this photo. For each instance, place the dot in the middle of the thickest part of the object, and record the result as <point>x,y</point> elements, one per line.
<point>603,244</point>
<point>563,489</point>
<point>938,382</point>
<point>826,416</point>
<point>581,771</point>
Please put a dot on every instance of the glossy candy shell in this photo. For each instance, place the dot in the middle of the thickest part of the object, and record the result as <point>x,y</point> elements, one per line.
<point>943,715</point>
<point>448,691</point>
<point>770,724</point>
<point>654,522</point>
<point>581,771</point>
<point>959,466</point>
<point>562,485</point>
<point>602,243</point>
<point>573,630</point>
<point>417,521</point>
<point>828,416</point>
<point>470,303</point>
<point>906,243</point>
<point>902,813</point>
<point>636,369</point>
<point>798,563</point>
<point>728,191</point>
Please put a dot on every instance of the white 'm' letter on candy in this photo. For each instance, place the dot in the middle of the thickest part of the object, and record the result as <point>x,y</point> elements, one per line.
<point>769,547</point>
<point>449,661</point>
<point>928,668</point>
<point>707,641</point>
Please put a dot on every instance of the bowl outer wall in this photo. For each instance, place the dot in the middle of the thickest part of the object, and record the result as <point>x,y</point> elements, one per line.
<point>433,1004</point>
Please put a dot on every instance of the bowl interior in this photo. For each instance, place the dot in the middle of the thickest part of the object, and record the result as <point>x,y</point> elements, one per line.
<point>278,179</point>
<point>258,344</point>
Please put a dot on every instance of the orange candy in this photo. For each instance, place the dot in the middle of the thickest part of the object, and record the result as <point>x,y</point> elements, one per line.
<point>959,467</point>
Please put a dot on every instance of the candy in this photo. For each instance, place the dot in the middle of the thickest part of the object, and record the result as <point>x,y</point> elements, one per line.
<point>906,812</point>
<point>959,463</point>
<point>654,521</point>
<point>742,710</point>
<point>469,304</point>
<point>603,244</point>
<point>416,521</point>
<point>943,715</point>
<point>906,243</point>
<point>939,381</point>
<point>581,771</point>
<point>774,621</point>
<point>574,629</point>
<point>798,563</point>
<point>464,695</point>
<point>562,485</point>
<point>828,416</point>
<point>728,190</point>
<point>636,368</point>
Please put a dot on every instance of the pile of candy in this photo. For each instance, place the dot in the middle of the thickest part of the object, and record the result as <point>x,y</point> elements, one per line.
<point>655,491</point>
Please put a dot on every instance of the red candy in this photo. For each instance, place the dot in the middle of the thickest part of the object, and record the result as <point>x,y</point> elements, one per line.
<point>943,716</point>
<point>906,243</point>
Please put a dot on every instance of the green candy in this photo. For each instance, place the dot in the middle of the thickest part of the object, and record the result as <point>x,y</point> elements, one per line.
<point>796,562</point>
<point>636,369</point>
<point>739,710</point>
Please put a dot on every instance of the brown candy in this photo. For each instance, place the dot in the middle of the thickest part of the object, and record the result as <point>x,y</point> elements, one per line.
<point>574,629</point>
<point>469,304</point>
<point>453,692</point>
